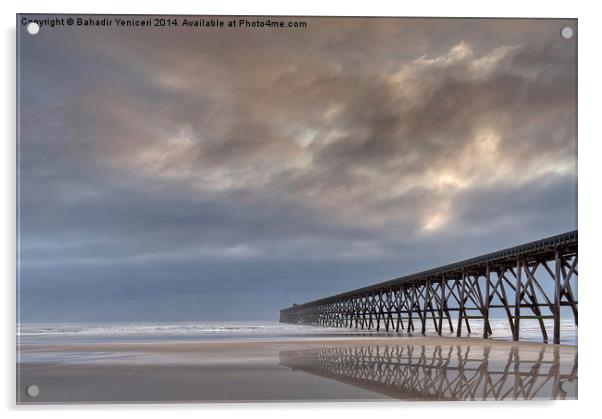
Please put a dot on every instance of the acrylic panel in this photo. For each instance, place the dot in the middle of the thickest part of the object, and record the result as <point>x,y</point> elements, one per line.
<point>292,208</point>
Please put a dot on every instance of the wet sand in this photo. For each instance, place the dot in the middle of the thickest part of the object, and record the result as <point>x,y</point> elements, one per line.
<point>413,368</point>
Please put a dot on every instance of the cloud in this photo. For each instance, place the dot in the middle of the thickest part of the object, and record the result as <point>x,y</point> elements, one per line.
<point>239,155</point>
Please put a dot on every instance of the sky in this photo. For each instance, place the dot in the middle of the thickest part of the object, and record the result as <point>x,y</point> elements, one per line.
<point>223,174</point>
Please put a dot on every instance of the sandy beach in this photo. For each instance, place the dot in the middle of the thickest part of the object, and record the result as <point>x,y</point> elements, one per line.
<point>371,368</point>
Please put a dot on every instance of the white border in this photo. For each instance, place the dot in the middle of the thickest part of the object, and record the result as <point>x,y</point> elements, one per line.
<point>590,210</point>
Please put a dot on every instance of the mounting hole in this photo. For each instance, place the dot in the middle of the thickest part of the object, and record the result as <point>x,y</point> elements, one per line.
<point>32,390</point>
<point>33,28</point>
<point>566,32</point>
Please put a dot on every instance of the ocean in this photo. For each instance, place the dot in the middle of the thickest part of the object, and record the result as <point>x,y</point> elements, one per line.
<point>270,361</point>
<point>45,333</point>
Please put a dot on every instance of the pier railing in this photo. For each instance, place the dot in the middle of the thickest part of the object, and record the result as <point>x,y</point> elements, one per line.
<point>535,280</point>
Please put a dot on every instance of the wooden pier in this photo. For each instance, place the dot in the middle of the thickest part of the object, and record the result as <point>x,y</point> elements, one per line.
<point>531,281</point>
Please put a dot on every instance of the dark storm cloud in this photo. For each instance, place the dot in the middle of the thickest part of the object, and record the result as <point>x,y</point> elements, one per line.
<point>253,168</point>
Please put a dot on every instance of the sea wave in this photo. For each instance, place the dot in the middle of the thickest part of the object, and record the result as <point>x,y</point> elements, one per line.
<point>132,329</point>
<point>529,330</point>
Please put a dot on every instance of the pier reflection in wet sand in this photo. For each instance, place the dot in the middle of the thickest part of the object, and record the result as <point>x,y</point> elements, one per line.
<point>450,372</point>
